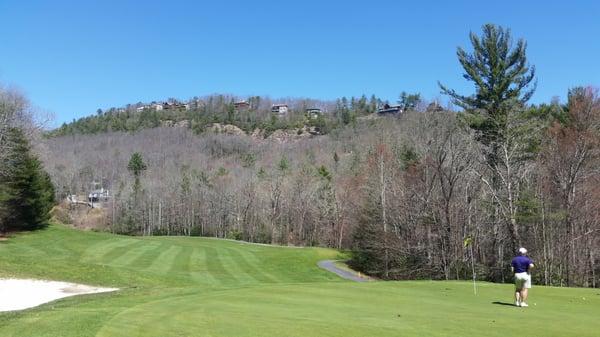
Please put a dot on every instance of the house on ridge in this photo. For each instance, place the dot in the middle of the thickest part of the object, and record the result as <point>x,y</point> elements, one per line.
<point>313,113</point>
<point>390,109</point>
<point>281,109</point>
<point>241,105</point>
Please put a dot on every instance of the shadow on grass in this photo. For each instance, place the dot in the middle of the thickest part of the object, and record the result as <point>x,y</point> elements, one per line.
<point>7,234</point>
<point>504,303</point>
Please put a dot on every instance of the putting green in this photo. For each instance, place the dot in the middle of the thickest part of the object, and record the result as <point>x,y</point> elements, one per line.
<point>175,286</point>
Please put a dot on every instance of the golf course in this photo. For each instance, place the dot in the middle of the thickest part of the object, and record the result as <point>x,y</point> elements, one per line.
<point>190,286</point>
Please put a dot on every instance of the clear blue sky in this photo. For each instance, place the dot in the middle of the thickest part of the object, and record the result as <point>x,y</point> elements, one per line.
<point>72,57</point>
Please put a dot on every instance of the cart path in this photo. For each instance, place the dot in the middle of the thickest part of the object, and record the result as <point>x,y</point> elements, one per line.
<point>329,265</point>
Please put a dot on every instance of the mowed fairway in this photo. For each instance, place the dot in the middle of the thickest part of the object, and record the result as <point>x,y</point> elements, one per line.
<point>174,286</point>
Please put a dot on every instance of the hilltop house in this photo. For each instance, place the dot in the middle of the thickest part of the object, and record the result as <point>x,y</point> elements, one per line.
<point>313,113</point>
<point>241,105</point>
<point>389,109</point>
<point>175,106</point>
<point>281,109</point>
<point>159,106</point>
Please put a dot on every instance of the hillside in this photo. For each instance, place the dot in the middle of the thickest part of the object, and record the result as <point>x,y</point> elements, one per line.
<point>173,286</point>
<point>253,114</point>
<point>424,171</point>
<point>182,165</point>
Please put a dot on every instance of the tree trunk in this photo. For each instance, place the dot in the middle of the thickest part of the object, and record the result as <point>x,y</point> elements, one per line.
<point>383,216</point>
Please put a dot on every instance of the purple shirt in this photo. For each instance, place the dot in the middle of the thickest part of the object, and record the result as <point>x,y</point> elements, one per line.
<point>521,264</point>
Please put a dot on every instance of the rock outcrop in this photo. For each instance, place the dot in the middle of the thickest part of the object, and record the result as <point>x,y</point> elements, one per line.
<point>172,124</point>
<point>226,129</point>
<point>285,136</point>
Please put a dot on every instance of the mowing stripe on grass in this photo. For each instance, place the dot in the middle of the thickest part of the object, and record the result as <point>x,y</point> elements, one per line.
<point>199,268</point>
<point>154,249</point>
<point>93,252</point>
<point>181,264</point>
<point>134,253</point>
<point>165,260</point>
<point>96,252</point>
<point>235,268</point>
<point>250,268</point>
<point>115,253</point>
<point>217,269</point>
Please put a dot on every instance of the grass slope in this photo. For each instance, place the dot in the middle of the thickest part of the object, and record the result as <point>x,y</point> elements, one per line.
<point>174,286</point>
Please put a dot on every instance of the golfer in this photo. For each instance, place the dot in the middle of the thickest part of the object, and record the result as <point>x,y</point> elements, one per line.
<point>521,266</point>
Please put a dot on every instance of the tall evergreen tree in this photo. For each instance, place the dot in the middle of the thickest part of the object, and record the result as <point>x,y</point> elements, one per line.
<point>502,78</point>
<point>26,191</point>
<point>136,166</point>
<point>504,82</point>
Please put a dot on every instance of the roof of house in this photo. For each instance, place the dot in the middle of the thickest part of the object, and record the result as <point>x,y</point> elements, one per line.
<point>390,109</point>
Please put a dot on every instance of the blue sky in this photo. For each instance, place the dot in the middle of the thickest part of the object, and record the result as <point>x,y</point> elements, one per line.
<point>72,57</point>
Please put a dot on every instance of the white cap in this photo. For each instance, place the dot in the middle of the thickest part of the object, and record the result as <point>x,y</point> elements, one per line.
<point>522,251</point>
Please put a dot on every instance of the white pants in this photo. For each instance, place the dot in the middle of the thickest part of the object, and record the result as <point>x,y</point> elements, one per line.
<point>522,280</point>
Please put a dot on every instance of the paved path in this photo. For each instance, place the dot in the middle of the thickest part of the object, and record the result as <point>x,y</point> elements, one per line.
<point>352,276</point>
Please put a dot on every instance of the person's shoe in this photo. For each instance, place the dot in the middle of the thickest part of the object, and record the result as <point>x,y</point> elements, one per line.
<point>524,304</point>
<point>517,304</point>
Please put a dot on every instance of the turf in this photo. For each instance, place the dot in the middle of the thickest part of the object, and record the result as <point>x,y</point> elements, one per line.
<point>175,286</point>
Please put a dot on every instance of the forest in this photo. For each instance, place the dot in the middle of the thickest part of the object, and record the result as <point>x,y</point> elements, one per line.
<point>430,193</point>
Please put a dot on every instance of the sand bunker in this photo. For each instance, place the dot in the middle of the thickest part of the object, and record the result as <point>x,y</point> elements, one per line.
<point>16,294</point>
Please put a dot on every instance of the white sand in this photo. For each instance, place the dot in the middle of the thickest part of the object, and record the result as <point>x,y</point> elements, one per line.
<point>16,294</point>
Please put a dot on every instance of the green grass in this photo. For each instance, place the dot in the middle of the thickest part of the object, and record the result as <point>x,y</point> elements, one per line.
<point>175,286</point>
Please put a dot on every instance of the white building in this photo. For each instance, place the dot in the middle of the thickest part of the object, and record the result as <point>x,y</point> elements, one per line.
<point>281,109</point>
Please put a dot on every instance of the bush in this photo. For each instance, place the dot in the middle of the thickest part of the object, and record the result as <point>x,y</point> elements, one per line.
<point>60,214</point>
<point>234,235</point>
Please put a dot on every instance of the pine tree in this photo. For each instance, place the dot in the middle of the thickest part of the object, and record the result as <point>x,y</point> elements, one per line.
<point>368,248</point>
<point>26,192</point>
<point>503,82</point>
<point>136,166</point>
<point>409,102</point>
<point>502,78</point>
